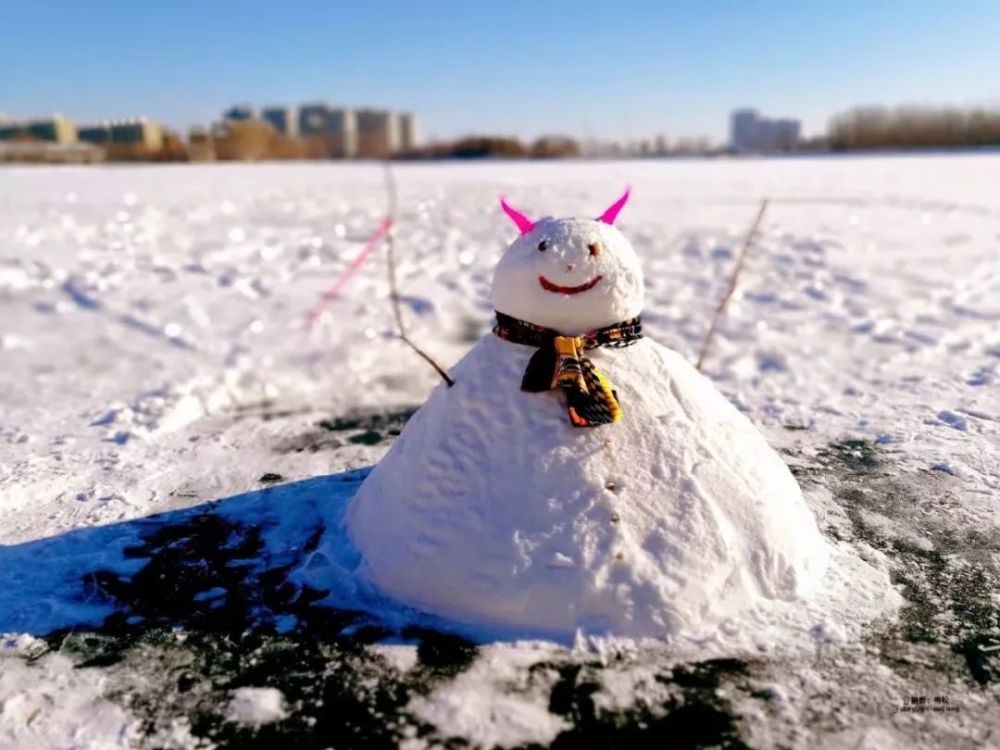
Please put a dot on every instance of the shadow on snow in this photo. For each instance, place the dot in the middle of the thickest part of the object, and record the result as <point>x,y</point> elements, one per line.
<point>180,609</point>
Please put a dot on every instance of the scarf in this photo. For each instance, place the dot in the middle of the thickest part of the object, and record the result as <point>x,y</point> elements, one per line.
<point>560,363</point>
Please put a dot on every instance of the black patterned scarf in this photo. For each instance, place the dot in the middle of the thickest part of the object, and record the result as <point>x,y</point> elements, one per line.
<point>560,363</point>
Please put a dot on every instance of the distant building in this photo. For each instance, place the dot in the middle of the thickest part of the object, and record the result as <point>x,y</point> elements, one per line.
<point>378,133</point>
<point>743,129</point>
<point>332,131</point>
<point>342,131</point>
<point>239,112</point>
<point>54,129</point>
<point>312,119</point>
<point>284,119</point>
<point>408,133</point>
<point>749,131</point>
<point>99,135</point>
<point>137,132</point>
<point>131,139</point>
<point>323,130</point>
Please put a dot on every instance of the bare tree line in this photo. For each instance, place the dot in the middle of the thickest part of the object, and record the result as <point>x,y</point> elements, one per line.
<point>914,127</point>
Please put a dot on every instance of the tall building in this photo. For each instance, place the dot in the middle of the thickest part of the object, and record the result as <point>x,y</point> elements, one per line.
<point>378,133</point>
<point>335,129</point>
<point>312,119</point>
<point>408,133</point>
<point>54,129</point>
<point>743,129</point>
<point>751,132</point>
<point>284,119</point>
<point>342,130</point>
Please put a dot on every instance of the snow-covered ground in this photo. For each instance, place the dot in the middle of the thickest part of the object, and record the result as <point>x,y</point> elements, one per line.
<point>154,356</point>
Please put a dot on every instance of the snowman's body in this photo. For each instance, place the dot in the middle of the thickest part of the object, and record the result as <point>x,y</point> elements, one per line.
<point>492,510</point>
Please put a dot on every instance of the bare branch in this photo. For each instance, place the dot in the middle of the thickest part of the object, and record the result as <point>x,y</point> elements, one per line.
<point>390,245</point>
<point>724,302</point>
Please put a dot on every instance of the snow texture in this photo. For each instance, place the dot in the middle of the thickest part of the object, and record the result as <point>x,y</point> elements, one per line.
<point>169,428</point>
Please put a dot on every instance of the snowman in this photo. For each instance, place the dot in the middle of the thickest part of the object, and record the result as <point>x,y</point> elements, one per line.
<point>579,477</point>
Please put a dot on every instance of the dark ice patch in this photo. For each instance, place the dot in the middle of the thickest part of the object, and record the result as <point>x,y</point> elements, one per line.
<point>213,609</point>
<point>212,606</point>
<point>697,717</point>
<point>357,428</point>
<point>385,423</point>
<point>442,653</point>
<point>946,570</point>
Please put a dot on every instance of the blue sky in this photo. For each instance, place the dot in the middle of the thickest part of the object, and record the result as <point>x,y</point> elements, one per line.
<point>605,69</point>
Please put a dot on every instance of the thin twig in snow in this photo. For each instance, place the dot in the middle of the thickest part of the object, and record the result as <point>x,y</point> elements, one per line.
<point>390,187</point>
<point>724,302</point>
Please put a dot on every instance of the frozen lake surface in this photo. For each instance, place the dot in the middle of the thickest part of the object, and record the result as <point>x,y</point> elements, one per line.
<point>154,360</point>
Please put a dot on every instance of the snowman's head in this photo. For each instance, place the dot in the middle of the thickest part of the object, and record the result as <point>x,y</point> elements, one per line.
<point>572,275</point>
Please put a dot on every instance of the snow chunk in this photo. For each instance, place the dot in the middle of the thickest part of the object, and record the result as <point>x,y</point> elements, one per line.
<point>400,656</point>
<point>497,702</point>
<point>255,706</point>
<point>51,704</point>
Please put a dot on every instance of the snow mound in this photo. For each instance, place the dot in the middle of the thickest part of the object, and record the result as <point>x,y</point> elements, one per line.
<point>491,510</point>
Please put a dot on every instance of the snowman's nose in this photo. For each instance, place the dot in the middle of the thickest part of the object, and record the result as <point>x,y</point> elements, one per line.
<point>570,267</point>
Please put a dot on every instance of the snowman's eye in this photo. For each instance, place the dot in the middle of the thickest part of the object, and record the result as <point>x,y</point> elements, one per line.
<point>543,246</point>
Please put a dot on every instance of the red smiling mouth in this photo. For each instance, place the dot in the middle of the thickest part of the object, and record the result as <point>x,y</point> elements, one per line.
<point>550,287</point>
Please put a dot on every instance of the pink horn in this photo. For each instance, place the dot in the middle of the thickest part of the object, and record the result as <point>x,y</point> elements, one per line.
<point>523,222</point>
<point>611,213</point>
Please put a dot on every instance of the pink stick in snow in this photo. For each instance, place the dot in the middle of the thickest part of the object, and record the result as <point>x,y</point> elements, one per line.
<point>332,293</point>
